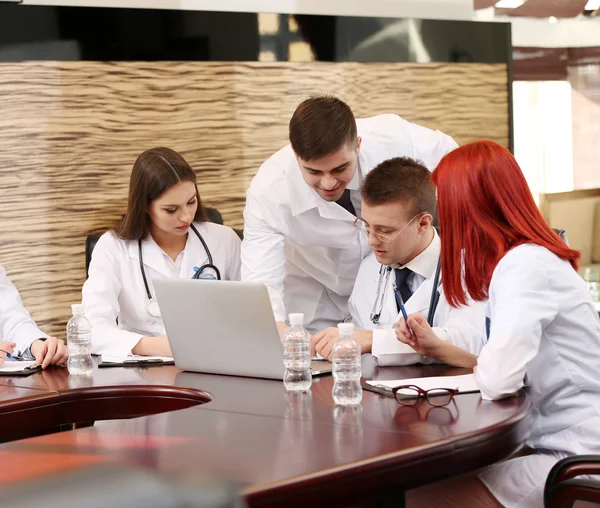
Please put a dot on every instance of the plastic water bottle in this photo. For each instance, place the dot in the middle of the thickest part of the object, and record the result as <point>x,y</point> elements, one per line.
<point>296,355</point>
<point>79,342</point>
<point>346,368</point>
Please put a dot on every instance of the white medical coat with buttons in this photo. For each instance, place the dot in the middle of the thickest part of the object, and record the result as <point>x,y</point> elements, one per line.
<point>16,324</point>
<point>305,249</point>
<point>544,329</point>
<point>114,290</point>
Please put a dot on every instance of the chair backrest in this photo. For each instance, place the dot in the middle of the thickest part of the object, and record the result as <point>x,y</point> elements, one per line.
<point>212,214</point>
<point>563,235</point>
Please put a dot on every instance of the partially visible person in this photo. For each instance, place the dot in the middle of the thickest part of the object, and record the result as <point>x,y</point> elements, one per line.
<point>20,337</point>
<point>398,205</point>
<point>543,329</point>
<point>300,207</point>
<point>164,233</point>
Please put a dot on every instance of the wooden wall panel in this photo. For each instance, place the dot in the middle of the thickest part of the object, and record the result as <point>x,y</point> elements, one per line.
<point>70,132</point>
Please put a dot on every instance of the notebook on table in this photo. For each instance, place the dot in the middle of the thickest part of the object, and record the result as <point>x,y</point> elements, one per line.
<point>19,368</point>
<point>462,384</point>
<point>133,360</point>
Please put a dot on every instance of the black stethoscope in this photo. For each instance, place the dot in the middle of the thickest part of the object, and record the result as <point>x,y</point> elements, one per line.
<point>382,285</point>
<point>153,308</point>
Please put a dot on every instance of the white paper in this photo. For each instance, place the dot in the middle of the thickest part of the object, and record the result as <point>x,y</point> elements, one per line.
<point>464,383</point>
<point>129,358</point>
<point>16,366</point>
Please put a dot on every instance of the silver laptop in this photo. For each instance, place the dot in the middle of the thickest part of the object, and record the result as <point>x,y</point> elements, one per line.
<point>223,327</point>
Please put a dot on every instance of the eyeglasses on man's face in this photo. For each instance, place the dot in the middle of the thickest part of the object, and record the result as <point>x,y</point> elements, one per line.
<point>365,228</point>
<point>410,395</point>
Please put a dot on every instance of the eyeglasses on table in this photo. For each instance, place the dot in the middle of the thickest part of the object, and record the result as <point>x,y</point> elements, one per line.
<point>410,395</point>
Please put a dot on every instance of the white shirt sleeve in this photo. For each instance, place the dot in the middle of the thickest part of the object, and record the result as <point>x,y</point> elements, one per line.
<point>16,324</point>
<point>430,146</point>
<point>521,306</point>
<point>101,301</point>
<point>390,351</point>
<point>263,254</point>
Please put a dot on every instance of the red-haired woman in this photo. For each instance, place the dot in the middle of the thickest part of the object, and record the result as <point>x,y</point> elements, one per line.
<point>544,331</point>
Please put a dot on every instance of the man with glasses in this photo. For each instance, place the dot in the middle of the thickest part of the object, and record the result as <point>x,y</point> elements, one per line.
<point>300,207</point>
<point>398,205</point>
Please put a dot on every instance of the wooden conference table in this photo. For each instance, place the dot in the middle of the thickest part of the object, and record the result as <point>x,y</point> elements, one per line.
<point>281,449</point>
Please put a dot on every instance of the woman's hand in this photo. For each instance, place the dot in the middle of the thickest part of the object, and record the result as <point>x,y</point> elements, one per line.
<point>425,342</point>
<point>153,346</point>
<point>423,339</point>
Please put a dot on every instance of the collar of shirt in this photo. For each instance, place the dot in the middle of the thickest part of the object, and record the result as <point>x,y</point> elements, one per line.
<point>425,263</point>
<point>174,266</point>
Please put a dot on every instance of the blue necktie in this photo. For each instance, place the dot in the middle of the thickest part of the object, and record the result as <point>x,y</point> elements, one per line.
<point>488,323</point>
<point>402,275</point>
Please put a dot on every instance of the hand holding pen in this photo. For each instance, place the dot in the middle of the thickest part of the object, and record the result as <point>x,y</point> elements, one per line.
<point>6,350</point>
<point>402,308</point>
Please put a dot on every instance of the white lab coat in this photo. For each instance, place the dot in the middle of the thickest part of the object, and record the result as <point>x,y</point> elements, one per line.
<point>304,248</point>
<point>115,287</point>
<point>16,324</point>
<point>543,326</point>
<point>464,326</point>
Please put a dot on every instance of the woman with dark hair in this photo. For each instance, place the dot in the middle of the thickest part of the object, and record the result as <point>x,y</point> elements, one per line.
<point>164,233</point>
<point>543,329</point>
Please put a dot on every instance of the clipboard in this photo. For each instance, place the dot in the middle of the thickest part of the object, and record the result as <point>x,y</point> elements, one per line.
<point>107,361</point>
<point>19,368</point>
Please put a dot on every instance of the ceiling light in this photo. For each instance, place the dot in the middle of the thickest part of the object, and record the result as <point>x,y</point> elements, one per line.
<point>552,19</point>
<point>592,5</point>
<point>510,4</point>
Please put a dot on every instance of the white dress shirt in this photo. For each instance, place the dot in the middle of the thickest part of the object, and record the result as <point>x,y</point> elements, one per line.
<point>304,248</point>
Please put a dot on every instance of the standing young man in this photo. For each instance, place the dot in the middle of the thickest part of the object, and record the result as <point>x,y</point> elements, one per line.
<point>299,237</point>
<point>397,212</point>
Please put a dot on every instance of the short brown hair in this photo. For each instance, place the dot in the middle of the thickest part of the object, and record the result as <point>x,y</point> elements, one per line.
<point>154,171</point>
<point>320,126</point>
<point>400,179</point>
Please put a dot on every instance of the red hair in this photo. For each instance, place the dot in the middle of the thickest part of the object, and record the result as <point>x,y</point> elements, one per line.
<point>485,209</point>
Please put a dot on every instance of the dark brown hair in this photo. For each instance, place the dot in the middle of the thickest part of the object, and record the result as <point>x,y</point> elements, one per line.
<point>154,171</point>
<point>320,126</point>
<point>400,179</point>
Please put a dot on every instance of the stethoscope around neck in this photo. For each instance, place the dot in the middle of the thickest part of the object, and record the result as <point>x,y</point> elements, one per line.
<point>153,308</point>
<point>383,283</point>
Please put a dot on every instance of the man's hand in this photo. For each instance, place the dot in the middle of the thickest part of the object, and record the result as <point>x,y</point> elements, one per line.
<point>50,352</point>
<point>6,348</point>
<point>324,341</point>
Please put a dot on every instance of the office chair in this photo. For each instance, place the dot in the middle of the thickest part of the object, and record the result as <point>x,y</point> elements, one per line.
<point>212,214</point>
<point>116,485</point>
<point>562,489</point>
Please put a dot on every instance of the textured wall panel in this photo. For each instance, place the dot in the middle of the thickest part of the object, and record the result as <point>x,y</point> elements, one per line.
<point>71,132</point>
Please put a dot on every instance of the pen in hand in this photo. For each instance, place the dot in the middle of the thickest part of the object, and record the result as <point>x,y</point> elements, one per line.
<point>402,309</point>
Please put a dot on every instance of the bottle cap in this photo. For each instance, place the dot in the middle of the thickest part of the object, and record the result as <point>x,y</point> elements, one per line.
<point>77,308</point>
<point>346,328</point>
<point>296,319</point>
